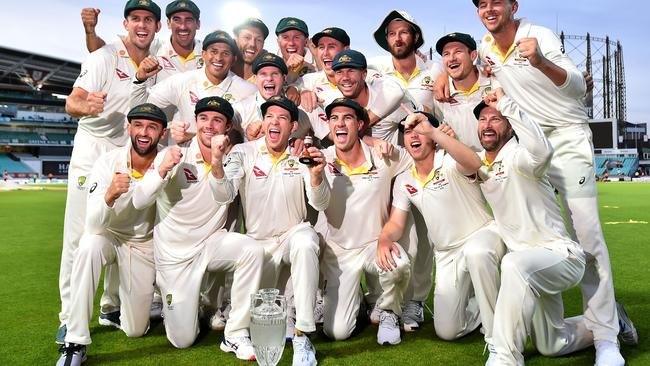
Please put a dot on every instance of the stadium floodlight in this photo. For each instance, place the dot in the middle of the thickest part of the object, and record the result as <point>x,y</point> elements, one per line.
<point>235,12</point>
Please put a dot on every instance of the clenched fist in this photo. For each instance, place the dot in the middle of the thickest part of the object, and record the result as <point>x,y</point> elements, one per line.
<point>529,49</point>
<point>219,146</point>
<point>119,185</point>
<point>147,68</point>
<point>95,101</point>
<point>89,19</point>
<point>179,131</point>
<point>172,157</point>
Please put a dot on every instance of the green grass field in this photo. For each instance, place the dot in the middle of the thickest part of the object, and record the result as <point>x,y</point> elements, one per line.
<point>30,245</point>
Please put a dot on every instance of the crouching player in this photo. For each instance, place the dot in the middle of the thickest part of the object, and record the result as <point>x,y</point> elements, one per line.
<point>269,179</point>
<point>360,181</point>
<point>117,232</point>
<point>189,239</point>
<point>542,260</point>
<point>467,247</point>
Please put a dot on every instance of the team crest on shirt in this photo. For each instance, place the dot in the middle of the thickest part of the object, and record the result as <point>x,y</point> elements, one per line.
<point>291,169</point>
<point>168,300</point>
<point>190,177</point>
<point>439,182</point>
<point>371,175</point>
<point>411,190</point>
<point>81,181</point>
<point>200,63</point>
<point>227,97</point>
<point>193,98</point>
<point>427,81</point>
<point>121,74</point>
<point>167,64</point>
<point>259,173</point>
<point>521,60</point>
<point>498,172</point>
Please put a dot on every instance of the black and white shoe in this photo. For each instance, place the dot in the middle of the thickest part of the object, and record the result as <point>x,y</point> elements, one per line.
<point>111,319</point>
<point>627,333</point>
<point>72,354</point>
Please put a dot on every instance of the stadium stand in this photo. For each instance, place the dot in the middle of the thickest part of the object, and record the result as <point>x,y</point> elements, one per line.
<point>36,134</point>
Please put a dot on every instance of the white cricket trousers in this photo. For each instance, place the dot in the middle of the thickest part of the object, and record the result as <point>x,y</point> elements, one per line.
<point>420,250</point>
<point>572,173</point>
<point>298,248</point>
<point>467,285</point>
<point>530,302</point>
<point>87,149</point>
<point>134,261</point>
<point>180,285</point>
<point>342,269</point>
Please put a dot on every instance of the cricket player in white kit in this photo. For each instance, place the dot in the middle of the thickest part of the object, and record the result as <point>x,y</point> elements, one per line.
<point>293,35</point>
<point>360,180</point>
<point>266,175</point>
<point>189,238</point>
<point>467,246</point>
<point>542,260</point>
<point>116,232</point>
<point>467,86</point>
<point>180,53</point>
<point>100,98</point>
<point>183,91</point>
<point>529,62</point>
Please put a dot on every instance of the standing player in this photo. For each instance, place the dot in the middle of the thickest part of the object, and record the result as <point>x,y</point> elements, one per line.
<point>467,86</point>
<point>360,180</point>
<point>250,36</point>
<point>180,53</point>
<point>542,260</point>
<point>265,175</point>
<point>100,99</point>
<point>467,247</point>
<point>381,97</point>
<point>293,36</point>
<point>183,91</point>
<point>189,239</point>
<point>116,232</point>
<point>529,62</point>
<point>400,35</point>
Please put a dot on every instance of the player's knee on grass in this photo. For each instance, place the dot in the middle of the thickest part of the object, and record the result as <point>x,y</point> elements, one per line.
<point>182,337</point>
<point>446,328</point>
<point>338,331</point>
<point>135,330</point>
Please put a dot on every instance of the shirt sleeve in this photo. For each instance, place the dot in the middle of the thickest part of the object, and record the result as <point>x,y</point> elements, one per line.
<point>225,190</point>
<point>390,99</point>
<point>98,213</point>
<point>400,160</point>
<point>151,186</point>
<point>552,48</point>
<point>94,71</point>
<point>318,197</point>
<point>400,199</point>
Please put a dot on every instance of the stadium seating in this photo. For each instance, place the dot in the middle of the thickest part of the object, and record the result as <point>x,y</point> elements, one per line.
<point>60,138</point>
<point>13,137</point>
<point>13,166</point>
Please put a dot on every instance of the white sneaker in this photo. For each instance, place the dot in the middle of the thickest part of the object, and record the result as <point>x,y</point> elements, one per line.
<point>492,356</point>
<point>242,347</point>
<point>72,355</point>
<point>627,333</point>
<point>217,321</point>
<point>155,313</point>
<point>304,353</point>
<point>375,313</point>
<point>412,316</point>
<point>608,354</point>
<point>388,332</point>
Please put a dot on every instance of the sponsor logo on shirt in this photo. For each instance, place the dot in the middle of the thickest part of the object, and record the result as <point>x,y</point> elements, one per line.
<point>453,101</point>
<point>332,169</point>
<point>193,98</point>
<point>189,176</point>
<point>489,60</point>
<point>93,187</point>
<point>83,73</point>
<point>323,117</point>
<point>121,74</point>
<point>167,64</point>
<point>410,189</point>
<point>259,173</point>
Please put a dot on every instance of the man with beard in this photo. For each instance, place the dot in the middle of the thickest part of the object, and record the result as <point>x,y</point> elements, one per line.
<point>529,62</point>
<point>381,97</point>
<point>467,86</point>
<point>100,100</point>
<point>270,76</point>
<point>467,246</point>
<point>293,36</point>
<point>183,91</point>
<point>400,35</point>
<point>116,233</point>
<point>250,36</point>
<point>180,53</point>
<point>264,174</point>
<point>189,238</point>
<point>542,260</point>
<point>360,180</point>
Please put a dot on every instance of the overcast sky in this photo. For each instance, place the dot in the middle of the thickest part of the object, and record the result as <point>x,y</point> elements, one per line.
<point>53,27</point>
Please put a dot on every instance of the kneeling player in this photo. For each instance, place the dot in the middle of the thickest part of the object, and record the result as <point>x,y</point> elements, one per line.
<point>117,232</point>
<point>542,260</point>
<point>267,177</point>
<point>189,238</point>
<point>360,180</point>
<point>467,247</point>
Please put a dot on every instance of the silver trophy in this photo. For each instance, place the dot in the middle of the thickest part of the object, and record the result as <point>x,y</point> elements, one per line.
<point>268,325</point>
